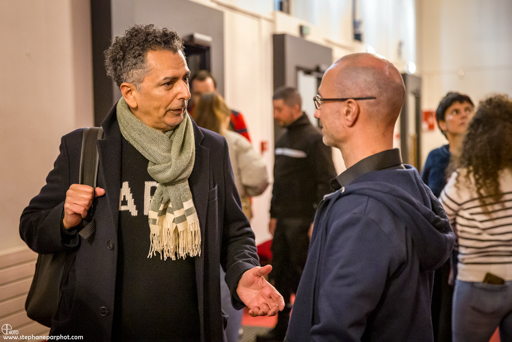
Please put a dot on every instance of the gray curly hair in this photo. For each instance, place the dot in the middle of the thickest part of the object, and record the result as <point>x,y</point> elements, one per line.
<point>125,59</point>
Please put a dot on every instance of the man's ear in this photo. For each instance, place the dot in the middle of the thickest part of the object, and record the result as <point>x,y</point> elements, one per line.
<point>442,125</point>
<point>129,92</point>
<point>351,113</point>
<point>296,109</point>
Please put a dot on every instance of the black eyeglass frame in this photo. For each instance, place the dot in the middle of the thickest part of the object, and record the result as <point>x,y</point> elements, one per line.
<point>318,99</point>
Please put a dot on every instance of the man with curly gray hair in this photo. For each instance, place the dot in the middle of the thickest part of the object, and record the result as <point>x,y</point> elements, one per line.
<point>166,212</point>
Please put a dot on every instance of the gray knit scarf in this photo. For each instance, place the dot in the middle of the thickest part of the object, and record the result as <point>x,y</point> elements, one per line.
<point>173,220</point>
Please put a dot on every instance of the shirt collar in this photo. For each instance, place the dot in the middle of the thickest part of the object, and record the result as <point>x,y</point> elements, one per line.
<point>379,161</point>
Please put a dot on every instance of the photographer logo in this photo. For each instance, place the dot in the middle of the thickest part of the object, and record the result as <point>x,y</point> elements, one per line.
<point>7,330</point>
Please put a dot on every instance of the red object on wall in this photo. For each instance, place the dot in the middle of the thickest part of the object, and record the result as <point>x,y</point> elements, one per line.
<point>429,120</point>
<point>264,146</point>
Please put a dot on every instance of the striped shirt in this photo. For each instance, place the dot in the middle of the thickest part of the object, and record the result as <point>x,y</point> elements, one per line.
<point>484,237</point>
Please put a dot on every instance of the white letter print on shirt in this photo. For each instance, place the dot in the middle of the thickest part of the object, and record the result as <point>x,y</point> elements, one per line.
<point>147,195</point>
<point>127,194</point>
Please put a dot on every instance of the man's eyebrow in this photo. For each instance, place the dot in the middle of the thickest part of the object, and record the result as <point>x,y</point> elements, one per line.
<point>169,78</point>
<point>174,78</point>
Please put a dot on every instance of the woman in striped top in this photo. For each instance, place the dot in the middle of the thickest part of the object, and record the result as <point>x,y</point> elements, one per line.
<point>478,201</point>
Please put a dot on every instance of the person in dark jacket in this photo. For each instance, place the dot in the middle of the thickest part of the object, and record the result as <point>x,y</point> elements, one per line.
<point>166,212</point>
<point>453,115</point>
<point>303,169</point>
<point>379,237</point>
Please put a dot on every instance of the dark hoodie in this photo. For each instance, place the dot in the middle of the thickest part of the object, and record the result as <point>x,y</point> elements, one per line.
<point>369,272</point>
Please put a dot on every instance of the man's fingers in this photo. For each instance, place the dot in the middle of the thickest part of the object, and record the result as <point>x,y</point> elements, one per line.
<point>100,192</point>
<point>82,194</point>
<point>254,311</point>
<point>278,299</point>
<point>75,209</point>
<point>273,311</point>
<point>266,308</point>
<point>263,271</point>
<point>79,199</point>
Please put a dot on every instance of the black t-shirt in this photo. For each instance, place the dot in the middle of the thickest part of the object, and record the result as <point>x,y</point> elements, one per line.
<point>155,299</point>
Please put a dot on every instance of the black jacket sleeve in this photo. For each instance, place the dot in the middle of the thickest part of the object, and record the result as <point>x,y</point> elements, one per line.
<point>40,223</point>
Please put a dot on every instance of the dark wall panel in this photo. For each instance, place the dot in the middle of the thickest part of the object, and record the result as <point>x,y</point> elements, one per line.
<point>101,30</point>
<point>294,53</point>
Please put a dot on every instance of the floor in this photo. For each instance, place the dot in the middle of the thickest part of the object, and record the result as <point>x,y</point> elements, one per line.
<point>253,326</point>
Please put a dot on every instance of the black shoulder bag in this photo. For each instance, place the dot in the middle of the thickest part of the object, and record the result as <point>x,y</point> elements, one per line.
<point>44,294</point>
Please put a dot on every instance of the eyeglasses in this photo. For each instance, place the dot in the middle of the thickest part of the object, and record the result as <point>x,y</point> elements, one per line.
<point>318,99</point>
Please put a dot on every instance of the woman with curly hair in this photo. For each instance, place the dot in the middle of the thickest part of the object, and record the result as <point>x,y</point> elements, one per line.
<point>478,201</point>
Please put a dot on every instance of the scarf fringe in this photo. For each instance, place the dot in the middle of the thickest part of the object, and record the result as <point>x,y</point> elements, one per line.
<point>172,243</point>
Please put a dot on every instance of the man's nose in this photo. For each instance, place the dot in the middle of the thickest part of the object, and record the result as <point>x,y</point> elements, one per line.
<point>317,114</point>
<point>184,91</point>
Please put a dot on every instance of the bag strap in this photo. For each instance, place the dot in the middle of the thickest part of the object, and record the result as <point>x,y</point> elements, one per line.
<point>89,162</point>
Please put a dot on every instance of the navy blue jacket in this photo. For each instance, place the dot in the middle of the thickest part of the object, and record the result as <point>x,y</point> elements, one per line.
<point>434,171</point>
<point>369,273</point>
<point>87,302</point>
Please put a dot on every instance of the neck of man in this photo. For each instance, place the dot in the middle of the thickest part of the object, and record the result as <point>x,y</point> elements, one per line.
<point>295,117</point>
<point>362,147</point>
<point>455,141</point>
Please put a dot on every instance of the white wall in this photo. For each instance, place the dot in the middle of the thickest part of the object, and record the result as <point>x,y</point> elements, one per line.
<point>332,17</point>
<point>248,88</point>
<point>46,91</point>
<point>387,22</point>
<point>465,46</point>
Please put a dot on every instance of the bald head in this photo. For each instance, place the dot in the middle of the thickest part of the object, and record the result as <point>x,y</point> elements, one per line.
<point>364,74</point>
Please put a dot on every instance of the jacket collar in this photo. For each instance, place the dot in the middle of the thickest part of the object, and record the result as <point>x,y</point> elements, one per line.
<point>301,121</point>
<point>379,161</point>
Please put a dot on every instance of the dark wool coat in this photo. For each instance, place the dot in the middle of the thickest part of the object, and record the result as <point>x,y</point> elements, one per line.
<point>87,301</point>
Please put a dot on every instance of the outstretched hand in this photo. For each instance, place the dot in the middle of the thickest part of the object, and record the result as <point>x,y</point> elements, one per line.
<point>258,295</point>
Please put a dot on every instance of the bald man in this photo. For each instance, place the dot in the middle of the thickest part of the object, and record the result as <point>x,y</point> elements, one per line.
<point>378,238</point>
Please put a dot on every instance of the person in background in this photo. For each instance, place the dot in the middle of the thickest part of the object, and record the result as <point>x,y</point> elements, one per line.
<point>303,170</point>
<point>203,82</point>
<point>378,238</point>
<point>251,179</point>
<point>452,115</point>
<point>166,211</point>
<point>478,201</point>
<point>250,172</point>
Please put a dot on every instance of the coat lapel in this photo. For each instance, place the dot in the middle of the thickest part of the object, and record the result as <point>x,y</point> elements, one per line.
<point>199,185</point>
<point>199,181</point>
